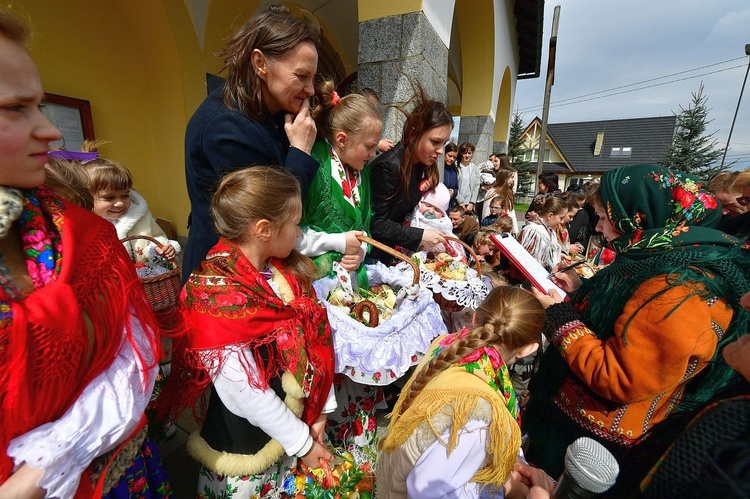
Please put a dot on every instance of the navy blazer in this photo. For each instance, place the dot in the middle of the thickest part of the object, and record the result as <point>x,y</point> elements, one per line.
<point>219,140</point>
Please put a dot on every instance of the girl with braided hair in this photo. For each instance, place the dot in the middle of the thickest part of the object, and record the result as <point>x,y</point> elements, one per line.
<point>454,429</point>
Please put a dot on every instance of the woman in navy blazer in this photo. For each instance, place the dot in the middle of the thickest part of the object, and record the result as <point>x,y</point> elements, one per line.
<point>259,116</point>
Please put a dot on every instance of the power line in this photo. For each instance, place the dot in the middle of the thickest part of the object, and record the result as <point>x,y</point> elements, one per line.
<point>650,80</point>
<point>556,104</point>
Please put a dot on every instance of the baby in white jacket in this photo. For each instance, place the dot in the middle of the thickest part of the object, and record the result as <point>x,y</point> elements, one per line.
<point>430,213</point>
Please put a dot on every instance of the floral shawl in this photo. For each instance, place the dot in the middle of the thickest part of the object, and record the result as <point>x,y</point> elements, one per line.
<point>229,303</point>
<point>487,365</point>
<point>660,210</point>
<point>48,352</point>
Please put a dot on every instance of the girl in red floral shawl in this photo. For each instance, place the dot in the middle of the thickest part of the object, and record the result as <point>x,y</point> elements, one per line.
<point>78,350</point>
<point>260,337</point>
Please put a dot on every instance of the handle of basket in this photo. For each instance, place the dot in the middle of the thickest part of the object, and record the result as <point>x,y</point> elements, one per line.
<point>149,238</point>
<point>471,252</point>
<point>392,252</point>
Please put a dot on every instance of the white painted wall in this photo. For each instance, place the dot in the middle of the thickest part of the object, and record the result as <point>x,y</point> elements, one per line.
<point>440,15</point>
<point>506,50</point>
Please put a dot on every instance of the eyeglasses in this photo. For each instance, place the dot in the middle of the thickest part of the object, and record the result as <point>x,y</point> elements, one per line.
<point>743,200</point>
<point>496,208</point>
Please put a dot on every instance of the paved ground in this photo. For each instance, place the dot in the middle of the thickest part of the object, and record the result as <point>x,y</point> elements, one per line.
<point>181,468</point>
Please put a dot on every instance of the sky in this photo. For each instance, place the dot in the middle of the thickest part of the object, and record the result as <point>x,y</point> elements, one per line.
<point>603,44</point>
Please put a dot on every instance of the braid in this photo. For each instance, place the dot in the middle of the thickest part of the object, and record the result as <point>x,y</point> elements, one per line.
<point>476,339</point>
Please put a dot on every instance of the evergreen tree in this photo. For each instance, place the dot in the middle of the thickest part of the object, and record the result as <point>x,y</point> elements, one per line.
<point>515,155</point>
<point>693,151</point>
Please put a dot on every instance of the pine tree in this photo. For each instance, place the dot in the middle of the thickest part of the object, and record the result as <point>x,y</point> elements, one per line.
<point>516,152</point>
<point>693,151</point>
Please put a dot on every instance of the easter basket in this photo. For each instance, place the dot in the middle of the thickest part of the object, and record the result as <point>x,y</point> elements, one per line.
<point>379,352</point>
<point>347,476</point>
<point>454,284</point>
<point>160,279</point>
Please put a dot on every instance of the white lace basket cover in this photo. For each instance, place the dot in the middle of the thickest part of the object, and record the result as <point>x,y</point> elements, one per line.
<point>469,293</point>
<point>381,355</point>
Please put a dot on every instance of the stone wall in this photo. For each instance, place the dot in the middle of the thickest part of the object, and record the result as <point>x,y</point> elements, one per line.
<point>390,48</point>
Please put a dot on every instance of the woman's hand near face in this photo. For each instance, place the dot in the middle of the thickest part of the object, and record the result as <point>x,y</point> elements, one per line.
<point>432,237</point>
<point>301,129</point>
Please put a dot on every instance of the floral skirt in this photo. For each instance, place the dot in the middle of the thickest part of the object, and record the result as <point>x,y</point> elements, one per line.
<point>212,485</point>
<point>354,424</point>
<point>145,479</point>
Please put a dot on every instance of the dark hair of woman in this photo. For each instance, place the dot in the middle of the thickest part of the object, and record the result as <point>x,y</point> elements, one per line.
<point>426,115</point>
<point>551,180</point>
<point>274,31</point>
<point>465,147</point>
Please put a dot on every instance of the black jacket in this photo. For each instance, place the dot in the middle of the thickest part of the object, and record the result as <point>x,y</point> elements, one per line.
<point>390,205</point>
<point>219,140</point>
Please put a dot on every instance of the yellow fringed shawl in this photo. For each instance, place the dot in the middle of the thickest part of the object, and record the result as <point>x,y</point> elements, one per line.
<point>457,391</point>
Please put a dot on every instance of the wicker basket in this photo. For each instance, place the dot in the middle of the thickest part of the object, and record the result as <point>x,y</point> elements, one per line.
<point>444,302</point>
<point>380,355</point>
<point>162,290</point>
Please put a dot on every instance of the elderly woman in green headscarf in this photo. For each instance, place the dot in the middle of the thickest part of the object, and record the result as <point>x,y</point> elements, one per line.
<point>641,341</point>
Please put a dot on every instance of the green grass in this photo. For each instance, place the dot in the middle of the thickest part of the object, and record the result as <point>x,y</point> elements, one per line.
<point>522,207</point>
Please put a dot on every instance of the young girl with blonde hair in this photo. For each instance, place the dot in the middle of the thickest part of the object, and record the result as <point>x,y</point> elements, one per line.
<point>337,206</point>
<point>259,337</point>
<point>336,210</point>
<point>454,429</point>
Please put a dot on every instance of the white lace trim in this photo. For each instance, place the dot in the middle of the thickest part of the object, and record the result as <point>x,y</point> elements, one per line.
<point>362,351</point>
<point>469,293</point>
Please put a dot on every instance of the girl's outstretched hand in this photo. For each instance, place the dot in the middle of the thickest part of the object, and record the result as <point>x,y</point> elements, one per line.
<point>317,452</point>
<point>353,245</point>
<point>301,129</point>
<point>352,262</point>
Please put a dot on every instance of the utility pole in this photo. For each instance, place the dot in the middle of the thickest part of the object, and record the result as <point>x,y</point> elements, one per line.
<point>548,91</point>
<point>747,52</point>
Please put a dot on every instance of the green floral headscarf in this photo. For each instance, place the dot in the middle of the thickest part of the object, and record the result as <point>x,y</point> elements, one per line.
<point>668,224</point>
<point>658,210</point>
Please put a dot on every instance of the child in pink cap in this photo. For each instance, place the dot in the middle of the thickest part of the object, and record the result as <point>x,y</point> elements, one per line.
<point>430,213</point>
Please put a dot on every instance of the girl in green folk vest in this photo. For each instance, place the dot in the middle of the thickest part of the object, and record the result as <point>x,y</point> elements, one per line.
<point>336,210</point>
